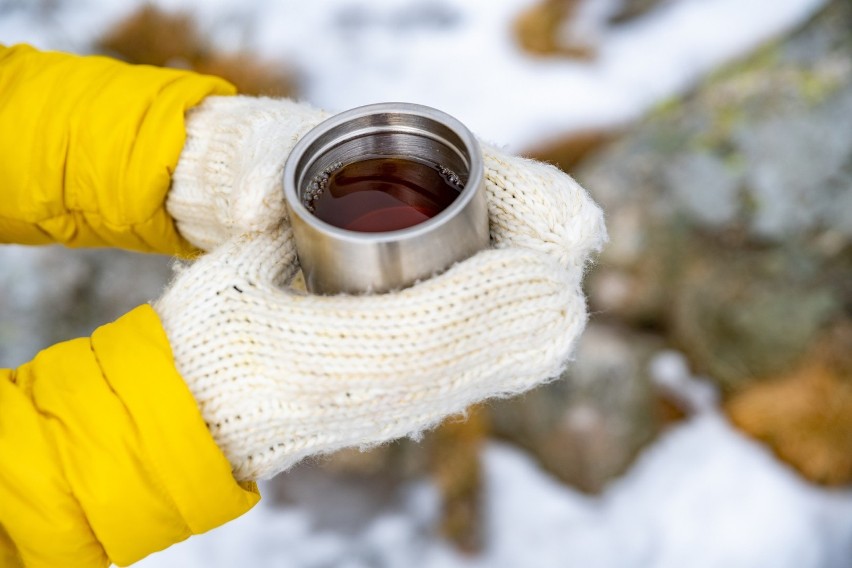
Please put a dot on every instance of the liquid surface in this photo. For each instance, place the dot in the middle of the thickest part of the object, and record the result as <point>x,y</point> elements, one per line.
<point>382,194</point>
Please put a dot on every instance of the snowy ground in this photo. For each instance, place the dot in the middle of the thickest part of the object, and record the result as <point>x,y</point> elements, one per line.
<point>702,496</point>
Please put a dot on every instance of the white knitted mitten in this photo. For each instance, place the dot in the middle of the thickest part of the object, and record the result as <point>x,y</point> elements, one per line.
<point>228,178</point>
<point>280,374</point>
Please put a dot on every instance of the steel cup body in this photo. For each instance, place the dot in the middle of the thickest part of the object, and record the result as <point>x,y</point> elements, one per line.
<point>336,260</point>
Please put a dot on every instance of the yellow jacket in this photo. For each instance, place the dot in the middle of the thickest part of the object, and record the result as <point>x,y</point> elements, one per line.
<point>104,455</point>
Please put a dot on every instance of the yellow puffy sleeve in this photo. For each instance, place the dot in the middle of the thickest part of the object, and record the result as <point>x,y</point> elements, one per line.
<point>104,455</point>
<point>88,146</point>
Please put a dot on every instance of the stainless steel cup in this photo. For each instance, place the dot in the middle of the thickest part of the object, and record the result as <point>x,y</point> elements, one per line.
<point>336,260</point>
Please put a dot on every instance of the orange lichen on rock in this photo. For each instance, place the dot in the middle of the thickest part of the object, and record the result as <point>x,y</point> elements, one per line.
<point>806,416</point>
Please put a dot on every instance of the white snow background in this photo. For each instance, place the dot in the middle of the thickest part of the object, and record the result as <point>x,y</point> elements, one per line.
<point>702,495</point>
<point>456,55</point>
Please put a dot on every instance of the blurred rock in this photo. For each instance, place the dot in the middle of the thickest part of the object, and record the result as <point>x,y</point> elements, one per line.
<point>539,30</point>
<point>729,212</point>
<point>746,314</point>
<point>153,36</point>
<point>455,466</point>
<point>361,483</point>
<point>338,498</point>
<point>587,427</point>
<point>573,28</point>
<point>805,416</point>
<point>729,215</point>
<point>717,203</point>
<point>51,294</point>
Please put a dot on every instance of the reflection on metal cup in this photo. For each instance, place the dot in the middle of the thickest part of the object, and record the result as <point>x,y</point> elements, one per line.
<point>364,258</point>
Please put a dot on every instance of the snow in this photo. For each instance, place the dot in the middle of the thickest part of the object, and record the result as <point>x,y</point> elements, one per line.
<point>702,495</point>
<point>670,372</point>
<point>459,55</point>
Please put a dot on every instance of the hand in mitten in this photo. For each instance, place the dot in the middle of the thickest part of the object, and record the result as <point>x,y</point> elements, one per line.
<point>280,374</point>
<point>228,178</point>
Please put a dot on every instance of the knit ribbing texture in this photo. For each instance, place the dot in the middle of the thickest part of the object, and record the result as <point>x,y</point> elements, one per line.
<point>228,179</point>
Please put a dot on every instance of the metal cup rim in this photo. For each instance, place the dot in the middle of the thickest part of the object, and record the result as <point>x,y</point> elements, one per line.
<point>471,146</point>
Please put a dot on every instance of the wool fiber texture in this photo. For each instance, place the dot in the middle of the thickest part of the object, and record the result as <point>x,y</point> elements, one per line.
<point>228,179</point>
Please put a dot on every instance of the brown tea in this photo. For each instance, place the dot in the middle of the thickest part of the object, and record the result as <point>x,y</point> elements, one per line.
<point>382,194</point>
